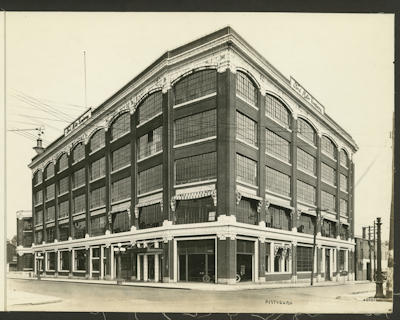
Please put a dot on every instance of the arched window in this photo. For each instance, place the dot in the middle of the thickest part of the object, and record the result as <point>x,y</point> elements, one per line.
<point>344,158</point>
<point>246,89</point>
<point>151,106</point>
<point>49,171</point>
<point>97,141</point>
<point>63,162</point>
<point>277,110</point>
<point>195,85</point>
<point>328,147</point>
<point>78,153</point>
<point>306,131</point>
<point>121,126</point>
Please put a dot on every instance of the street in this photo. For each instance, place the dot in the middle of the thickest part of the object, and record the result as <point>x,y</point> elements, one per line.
<point>69,296</point>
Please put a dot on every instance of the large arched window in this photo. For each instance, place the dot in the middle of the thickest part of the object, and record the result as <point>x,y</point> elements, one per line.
<point>328,147</point>
<point>49,171</point>
<point>120,126</point>
<point>151,106</point>
<point>277,110</point>
<point>63,162</point>
<point>344,158</point>
<point>97,141</point>
<point>306,131</point>
<point>195,85</point>
<point>78,153</point>
<point>246,89</point>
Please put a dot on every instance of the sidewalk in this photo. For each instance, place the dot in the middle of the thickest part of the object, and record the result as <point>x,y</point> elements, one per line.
<point>194,285</point>
<point>15,298</point>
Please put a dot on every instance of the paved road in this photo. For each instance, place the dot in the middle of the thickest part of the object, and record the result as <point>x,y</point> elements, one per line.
<point>107,298</point>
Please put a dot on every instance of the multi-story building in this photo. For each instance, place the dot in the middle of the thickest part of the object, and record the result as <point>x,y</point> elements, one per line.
<point>24,240</point>
<point>209,165</point>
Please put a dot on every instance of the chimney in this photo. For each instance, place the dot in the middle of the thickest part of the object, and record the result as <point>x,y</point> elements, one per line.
<point>39,147</point>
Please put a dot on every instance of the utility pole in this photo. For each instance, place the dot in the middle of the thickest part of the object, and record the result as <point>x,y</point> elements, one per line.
<point>370,254</point>
<point>374,253</point>
<point>314,245</point>
<point>379,282</point>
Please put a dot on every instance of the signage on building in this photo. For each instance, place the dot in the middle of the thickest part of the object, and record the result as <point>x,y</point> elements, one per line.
<point>306,95</point>
<point>83,118</point>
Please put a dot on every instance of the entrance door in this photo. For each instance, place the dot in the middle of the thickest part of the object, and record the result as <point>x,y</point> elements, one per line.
<point>150,264</point>
<point>327,265</point>
<point>244,267</point>
<point>368,271</point>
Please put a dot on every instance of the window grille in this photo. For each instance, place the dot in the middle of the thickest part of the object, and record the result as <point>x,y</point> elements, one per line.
<point>151,106</point>
<point>150,179</point>
<point>246,170</point>
<point>246,89</point>
<point>277,146</point>
<point>276,110</point>
<point>195,127</point>
<point>277,181</point>
<point>196,168</point>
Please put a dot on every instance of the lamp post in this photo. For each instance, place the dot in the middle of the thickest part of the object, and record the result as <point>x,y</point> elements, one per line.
<point>118,250</point>
<point>379,281</point>
<point>39,259</point>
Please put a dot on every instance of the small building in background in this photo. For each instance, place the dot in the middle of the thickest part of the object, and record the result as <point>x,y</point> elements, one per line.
<point>24,256</point>
<point>11,256</point>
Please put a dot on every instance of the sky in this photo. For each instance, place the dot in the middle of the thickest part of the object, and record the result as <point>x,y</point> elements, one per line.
<point>344,60</point>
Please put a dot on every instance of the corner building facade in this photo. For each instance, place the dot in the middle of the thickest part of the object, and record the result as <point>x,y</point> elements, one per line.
<point>208,166</point>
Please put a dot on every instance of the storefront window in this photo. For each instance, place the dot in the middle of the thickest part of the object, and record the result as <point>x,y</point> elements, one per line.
<point>80,260</point>
<point>195,210</point>
<point>51,261</point>
<point>64,260</point>
<point>304,258</point>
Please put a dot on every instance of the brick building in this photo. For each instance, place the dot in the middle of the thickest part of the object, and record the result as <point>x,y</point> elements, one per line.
<point>209,165</point>
<point>24,240</point>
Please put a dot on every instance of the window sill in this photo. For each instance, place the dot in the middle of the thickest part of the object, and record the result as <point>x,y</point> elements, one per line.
<point>278,194</point>
<point>148,120</point>
<point>189,184</point>
<point>95,150</point>
<point>278,122</point>
<point>247,101</point>
<point>277,272</point>
<point>78,187</point>
<point>120,169</point>
<point>120,201</point>
<point>97,208</point>
<point>195,100</point>
<point>121,136</point>
<point>328,155</point>
<point>64,193</point>
<point>47,200</point>
<point>247,184</point>
<point>78,213</point>
<point>149,193</point>
<point>62,170</point>
<point>277,158</point>
<point>79,271</point>
<point>345,191</point>
<point>79,160</point>
<point>149,156</point>
<point>97,179</point>
<point>307,141</point>
<point>247,143</point>
<point>195,141</point>
<point>48,178</point>
<point>328,183</point>
<point>307,172</point>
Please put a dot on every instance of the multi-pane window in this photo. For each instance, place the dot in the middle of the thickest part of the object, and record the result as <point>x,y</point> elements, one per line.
<point>39,237</point>
<point>195,210</point>
<point>328,229</point>
<point>79,203</point>
<point>196,168</point>
<point>79,178</point>
<point>50,234</point>
<point>306,192</point>
<point>277,218</point>
<point>49,171</point>
<point>304,258</point>
<point>38,197</point>
<point>98,168</point>
<point>97,197</point>
<point>150,179</point>
<point>343,182</point>
<point>38,217</point>
<point>277,146</point>
<point>306,161</point>
<point>63,209</point>
<point>64,260</point>
<point>328,174</point>
<point>328,201</point>
<point>150,216</point>
<point>120,222</point>
<point>341,259</point>
<point>63,162</point>
<point>344,207</point>
<point>306,131</point>
<point>246,129</point>
<point>195,85</point>
<point>328,147</point>
<point>98,140</point>
<point>121,157</point>
<point>51,261</point>
<point>78,153</point>
<point>79,229</point>
<point>50,191</point>
<point>150,143</point>
<point>277,181</point>
<point>246,89</point>
<point>246,211</point>
<point>63,231</point>
<point>150,107</point>
<point>246,170</point>
<point>344,160</point>
<point>344,232</point>
<point>80,260</point>
<point>98,225</point>
<point>195,127</point>
<point>121,189</point>
<point>276,110</point>
<point>50,214</point>
<point>37,177</point>
<point>121,126</point>
<point>63,185</point>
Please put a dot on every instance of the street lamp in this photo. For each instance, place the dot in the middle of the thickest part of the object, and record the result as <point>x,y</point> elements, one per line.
<point>39,258</point>
<point>118,250</point>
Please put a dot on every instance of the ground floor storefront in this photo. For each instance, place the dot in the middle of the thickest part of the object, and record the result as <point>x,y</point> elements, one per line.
<point>211,255</point>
